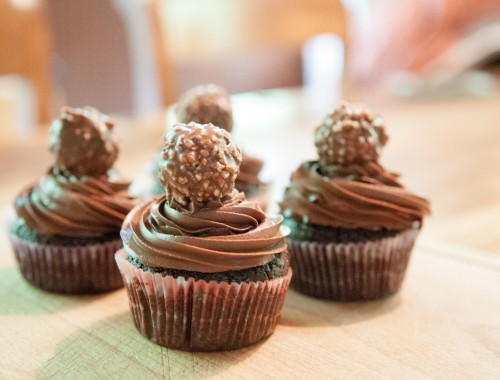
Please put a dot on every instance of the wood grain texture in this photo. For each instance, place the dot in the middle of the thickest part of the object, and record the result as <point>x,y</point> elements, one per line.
<point>443,324</point>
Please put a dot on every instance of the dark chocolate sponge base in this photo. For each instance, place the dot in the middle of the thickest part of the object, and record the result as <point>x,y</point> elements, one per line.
<point>23,232</point>
<point>326,234</point>
<point>278,267</point>
<point>66,265</point>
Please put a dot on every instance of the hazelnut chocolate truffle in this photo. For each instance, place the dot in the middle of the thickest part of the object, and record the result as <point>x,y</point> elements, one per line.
<point>211,104</point>
<point>349,135</point>
<point>205,104</point>
<point>195,258</point>
<point>353,224</point>
<point>68,222</point>
<point>198,162</point>
<point>82,142</point>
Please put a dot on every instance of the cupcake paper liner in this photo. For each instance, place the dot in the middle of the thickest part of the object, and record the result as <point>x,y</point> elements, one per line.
<point>69,269</point>
<point>196,315</point>
<point>351,271</point>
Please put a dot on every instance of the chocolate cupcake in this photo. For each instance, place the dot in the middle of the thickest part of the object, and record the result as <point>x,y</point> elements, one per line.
<point>68,222</point>
<point>205,269</point>
<point>206,104</point>
<point>353,224</point>
<point>211,104</point>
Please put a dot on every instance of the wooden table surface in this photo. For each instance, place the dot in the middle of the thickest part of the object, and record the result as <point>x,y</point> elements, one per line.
<point>444,323</point>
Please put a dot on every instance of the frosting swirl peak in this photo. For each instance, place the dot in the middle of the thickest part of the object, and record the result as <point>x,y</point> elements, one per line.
<point>347,187</point>
<point>369,197</point>
<point>75,207</point>
<point>223,235</point>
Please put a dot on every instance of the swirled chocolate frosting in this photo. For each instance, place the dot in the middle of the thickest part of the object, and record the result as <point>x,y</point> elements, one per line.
<point>368,197</point>
<point>75,207</point>
<point>347,187</point>
<point>201,224</point>
<point>78,197</point>
<point>220,235</point>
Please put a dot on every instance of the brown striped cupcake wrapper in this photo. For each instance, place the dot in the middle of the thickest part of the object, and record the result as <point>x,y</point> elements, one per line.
<point>69,269</point>
<point>196,315</point>
<point>352,271</point>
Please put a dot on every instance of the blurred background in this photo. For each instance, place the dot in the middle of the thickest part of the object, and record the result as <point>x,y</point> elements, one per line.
<point>131,57</point>
<point>429,67</point>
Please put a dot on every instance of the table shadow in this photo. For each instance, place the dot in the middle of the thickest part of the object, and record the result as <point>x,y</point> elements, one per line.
<point>114,348</point>
<point>19,297</point>
<point>304,311</point>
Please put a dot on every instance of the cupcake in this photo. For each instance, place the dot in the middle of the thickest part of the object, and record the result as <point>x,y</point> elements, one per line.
<point>206,104</point>
<point>211,104</point>
<point>68,223</point>
<point>353,224</point>
<point>204,268</point>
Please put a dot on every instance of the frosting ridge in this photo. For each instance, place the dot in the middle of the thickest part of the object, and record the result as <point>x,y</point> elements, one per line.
<point>354,196</point>
<point>229,234</point>
<point>64,205</point>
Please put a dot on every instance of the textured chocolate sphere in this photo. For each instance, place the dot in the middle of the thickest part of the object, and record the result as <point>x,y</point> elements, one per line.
<point>199,162</point>
<point>206,104</point>
<point>351,134</point>
<point>82,142</point>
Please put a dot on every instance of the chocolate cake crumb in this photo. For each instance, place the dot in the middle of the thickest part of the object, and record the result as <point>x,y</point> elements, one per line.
<point>22,231</point>
<point>278,267</point>
<point>326,234</point>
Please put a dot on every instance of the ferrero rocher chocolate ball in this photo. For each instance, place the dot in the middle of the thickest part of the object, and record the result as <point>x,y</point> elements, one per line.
<point>82,142</point>
<point>206,104</point>
<point>199,162</point>
<point>351,134</point>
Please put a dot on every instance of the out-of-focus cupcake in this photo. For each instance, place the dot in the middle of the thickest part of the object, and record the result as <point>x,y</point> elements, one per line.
<point>204,268</point>
<point>211,103</point>
<point>68,223</point>
<point>206,104</point>
<point>353,224</point>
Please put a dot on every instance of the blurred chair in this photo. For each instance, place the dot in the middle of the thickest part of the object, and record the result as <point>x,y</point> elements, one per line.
<point>25,40</point>
<point>151,78</point>
<point>130,56</point>
<point>154,75</point>
<point>17,107</point>
<point>244,45</point>
<point>93,54</point>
